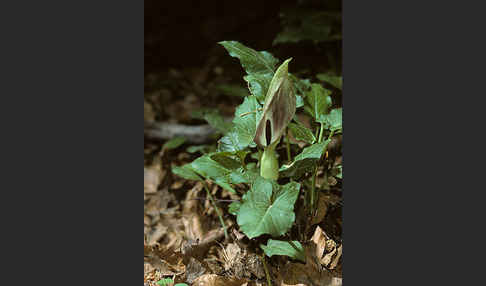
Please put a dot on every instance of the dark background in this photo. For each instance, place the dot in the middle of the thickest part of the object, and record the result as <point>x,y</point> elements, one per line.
<point>185,33</point>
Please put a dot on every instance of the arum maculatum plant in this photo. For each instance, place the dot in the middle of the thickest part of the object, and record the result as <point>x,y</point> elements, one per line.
<point>269,190</point>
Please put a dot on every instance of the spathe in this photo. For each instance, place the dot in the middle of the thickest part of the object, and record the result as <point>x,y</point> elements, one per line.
<point>279,107</point>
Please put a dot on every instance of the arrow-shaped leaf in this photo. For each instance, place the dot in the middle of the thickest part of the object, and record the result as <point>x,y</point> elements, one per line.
<point>260,213</point>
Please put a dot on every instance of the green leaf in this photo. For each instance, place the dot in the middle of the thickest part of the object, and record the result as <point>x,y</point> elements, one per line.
<point>174,143</point>
<point>234,208</point>
<point>336,81</point>
<point>244,126</point>
<point>278,247</point>
<point>259,66</point>
<point>240,155</point>
<point>181,284</point>
<point>259,84</point>
<point>304,162</point>
<point>256,156</point>
<point>299,101</point>
<point>220,168</point>
<point>165,282</point>
<point>301,87</point>
<point>262,213</point>
<point>208,168</point>
<point>224,159</point>
<point>317,102</point>
<point>251,60</point>
<point>186,172</point>
<point>214,119</point>
<point>230,142</point>
<point>302,133</point>
<point>334,119</point>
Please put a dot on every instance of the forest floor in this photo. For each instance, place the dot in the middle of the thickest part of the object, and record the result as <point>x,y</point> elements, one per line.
<point>183,238</point>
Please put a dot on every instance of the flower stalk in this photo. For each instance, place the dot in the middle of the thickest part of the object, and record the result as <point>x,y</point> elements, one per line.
<point>269,163</point>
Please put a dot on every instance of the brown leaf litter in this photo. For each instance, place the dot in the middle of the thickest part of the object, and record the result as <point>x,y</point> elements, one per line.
<point>184,239</point>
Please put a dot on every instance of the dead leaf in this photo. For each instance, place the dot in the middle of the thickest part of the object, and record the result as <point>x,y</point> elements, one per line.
<point>231,255</point>
<point>326,251</point>
<point>152,177</point>
<point>338,161</point>
<point>336,281</point>
<point>238,235</point>
<point>319,238</point>
<point>192,219</point>
<point>159,202</point>
<point>146,220</point>
<point>190,204</point>
<point>214,266</point>
<point>149,273</point>
<point>321,210</point>
<point>331,181</point>
<point>193,227</point>
<point>330,245</point>
<point>240,263</point>
<point>255,266</point>
<point>212,235</point>
<point>175,239</point>
<point>165,260</point>
<point>198,249</point>
<point>162,267</point>
<point>294,274</point>
<point>177,185</point>
<point>309,274</point>
<point>216,280</point>
<point>159,231</point>
<point>147,267</point>
<point>326,260</point>
<point>335,261</point>
<point>194,269</point>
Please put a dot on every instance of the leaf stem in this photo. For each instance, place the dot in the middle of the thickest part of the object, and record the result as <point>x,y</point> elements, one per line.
<point>269,282</point>
<point>321,132</point>
<point>220,216</point>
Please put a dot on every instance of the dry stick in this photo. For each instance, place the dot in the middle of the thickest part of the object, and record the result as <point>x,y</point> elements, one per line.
<point>269,282</point>
<point>220,216</point>
<point>166,130</point>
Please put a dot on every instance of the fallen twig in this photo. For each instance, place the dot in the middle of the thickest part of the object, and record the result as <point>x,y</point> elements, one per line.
<point>165,130</point>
